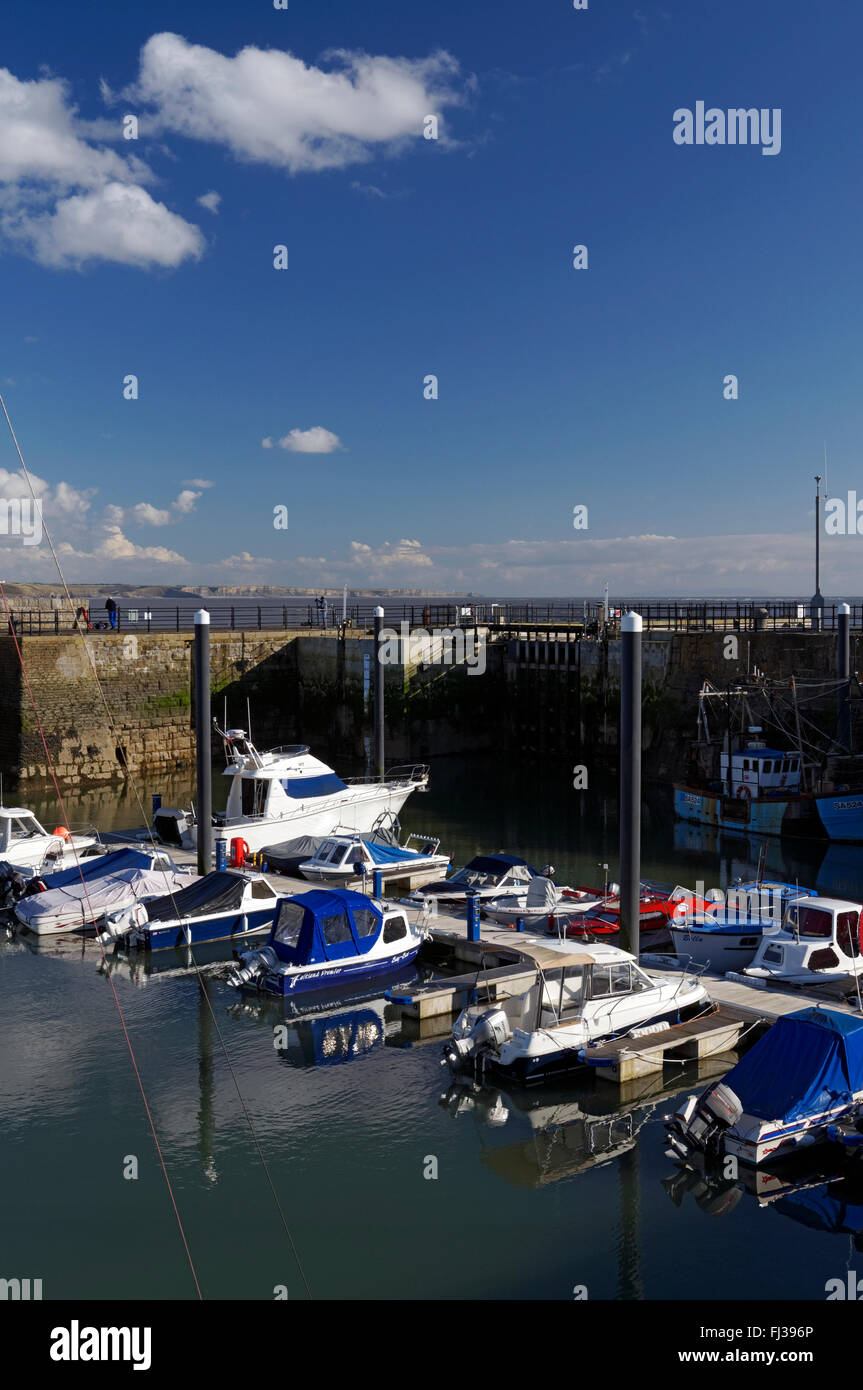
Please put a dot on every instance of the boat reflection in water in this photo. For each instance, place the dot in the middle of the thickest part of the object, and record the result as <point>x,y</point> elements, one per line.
<point>822,1191</point>
<point>309,1033</point>
<point>832,869</point>
<point>568,1131</point>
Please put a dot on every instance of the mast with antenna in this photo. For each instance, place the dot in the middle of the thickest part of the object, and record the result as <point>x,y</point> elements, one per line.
<point>817,604</point>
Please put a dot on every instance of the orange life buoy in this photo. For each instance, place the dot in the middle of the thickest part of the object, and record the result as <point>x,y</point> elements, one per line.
<point>743,793</point>
<point>62,831</point>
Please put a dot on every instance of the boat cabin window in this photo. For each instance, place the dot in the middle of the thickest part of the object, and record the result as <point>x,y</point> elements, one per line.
<point>811,922</point>
<point>261,889</point>
<point>23,829</point>
<point>847,934</point>
<point>366,921</point>
<point>395,929</point>
<point>605,980</point>
<point>288,924</point>
<point>336,929</point>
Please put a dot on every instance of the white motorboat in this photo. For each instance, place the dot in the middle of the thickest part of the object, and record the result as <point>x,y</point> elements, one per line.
<point>583,994</point>
<point>803,1076</point>
<point>728,936</point>
<point>221,905</point>
<point>285,793</point>
<point>347,858</point>
<point>78,896</point>
<point>820,937</point>
<point>542,900</point>
<point>486,876</point>
<point>26,844</point>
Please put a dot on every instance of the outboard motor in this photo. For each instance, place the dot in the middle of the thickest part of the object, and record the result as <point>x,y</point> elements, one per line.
<point>489,1032</point>
<point>701,1123</point>
<point>250,967</point>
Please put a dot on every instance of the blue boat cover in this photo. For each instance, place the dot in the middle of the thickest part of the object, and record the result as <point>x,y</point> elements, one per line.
<point>302,787</point>
<point>97,866</point>
<point>325,924</point>
<point>389,854</point>
<point>809,1062</point>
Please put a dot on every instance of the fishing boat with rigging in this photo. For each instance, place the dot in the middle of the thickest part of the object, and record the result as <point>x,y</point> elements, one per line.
<point>812,787</point>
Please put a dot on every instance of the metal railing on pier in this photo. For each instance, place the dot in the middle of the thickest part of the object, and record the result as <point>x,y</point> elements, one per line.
<point>585,617</point>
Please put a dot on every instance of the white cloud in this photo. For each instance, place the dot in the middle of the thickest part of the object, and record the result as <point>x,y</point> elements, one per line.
<point>66,200</point>
<point>116,546</point>
<point>119,222</point>
<point>245,561</point>
<point>197,482</point>
<point>185,503</point>
<point>267,443</point>
<point>404,553</point>
<point>317,440</point>
<point>148,515</point>
<point>210,201</point>
<point>268,106</point>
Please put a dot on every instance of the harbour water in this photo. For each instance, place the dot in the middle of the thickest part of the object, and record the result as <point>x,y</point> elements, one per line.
<point>394,1184</point>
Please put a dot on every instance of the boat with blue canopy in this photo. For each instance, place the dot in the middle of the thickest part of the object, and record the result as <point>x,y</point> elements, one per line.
<point>346,856</point>
<point>804,1075</point>
<point>329,937</point>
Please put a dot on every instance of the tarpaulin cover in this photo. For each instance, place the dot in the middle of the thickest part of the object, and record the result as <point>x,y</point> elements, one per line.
<point>98,866</point>
<point>216,892</point>
<point>390,854</point>
<point>287,856</point>
<point>809,1062</point>
<point>78,904</point>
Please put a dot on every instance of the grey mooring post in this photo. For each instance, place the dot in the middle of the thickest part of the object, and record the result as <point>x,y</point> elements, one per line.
<point>630,781</point>
<point>203,762</point>
<point>379,696</point>
<point>843,671</point>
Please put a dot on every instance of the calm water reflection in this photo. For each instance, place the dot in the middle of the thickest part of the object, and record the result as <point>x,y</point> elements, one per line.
<point>536,1193</point>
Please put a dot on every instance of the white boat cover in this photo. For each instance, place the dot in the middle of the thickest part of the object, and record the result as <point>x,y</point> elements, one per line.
<point>78,904</point>
<point>542,893</point>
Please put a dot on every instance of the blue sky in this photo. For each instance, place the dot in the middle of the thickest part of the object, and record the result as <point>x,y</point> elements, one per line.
<point>452,257</point>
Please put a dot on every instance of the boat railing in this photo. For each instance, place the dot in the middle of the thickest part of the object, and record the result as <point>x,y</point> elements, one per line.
<point>405,774</point>
<point>288,750</point>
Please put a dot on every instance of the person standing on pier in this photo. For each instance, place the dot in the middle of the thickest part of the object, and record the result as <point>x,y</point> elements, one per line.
<point>111,609</point>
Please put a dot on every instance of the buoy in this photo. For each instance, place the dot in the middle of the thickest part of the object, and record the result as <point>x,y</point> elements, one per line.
<point>62,831</point>
<point>744,794</point>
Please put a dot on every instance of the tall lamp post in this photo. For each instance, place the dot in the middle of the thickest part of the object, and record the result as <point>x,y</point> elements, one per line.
<point>817,605</point>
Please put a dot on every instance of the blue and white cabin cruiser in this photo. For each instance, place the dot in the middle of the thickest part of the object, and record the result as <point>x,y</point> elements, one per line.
<point>26,844</point>
<point>77,897</point>
<point>219,906</point>
<point>486,876</point>
<point>329,937</point>
<point>543,901</point>
<point>728,937</point>
<point>285,793</point>
<point>805,1074</point>
<point>584,994</point>
<point>345,857</point>
<point>819,937</point>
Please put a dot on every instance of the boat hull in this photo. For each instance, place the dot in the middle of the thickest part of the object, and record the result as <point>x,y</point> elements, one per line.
<point>359,811</point>
<point>322,977</point>
<point>716,951</point>
<point>814,817</point>
<point>192,931</point>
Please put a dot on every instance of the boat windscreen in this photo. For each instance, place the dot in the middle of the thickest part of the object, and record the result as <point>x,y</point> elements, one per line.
<point>812,922</point>
<point>303,788</point>
<point>216,892</point>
